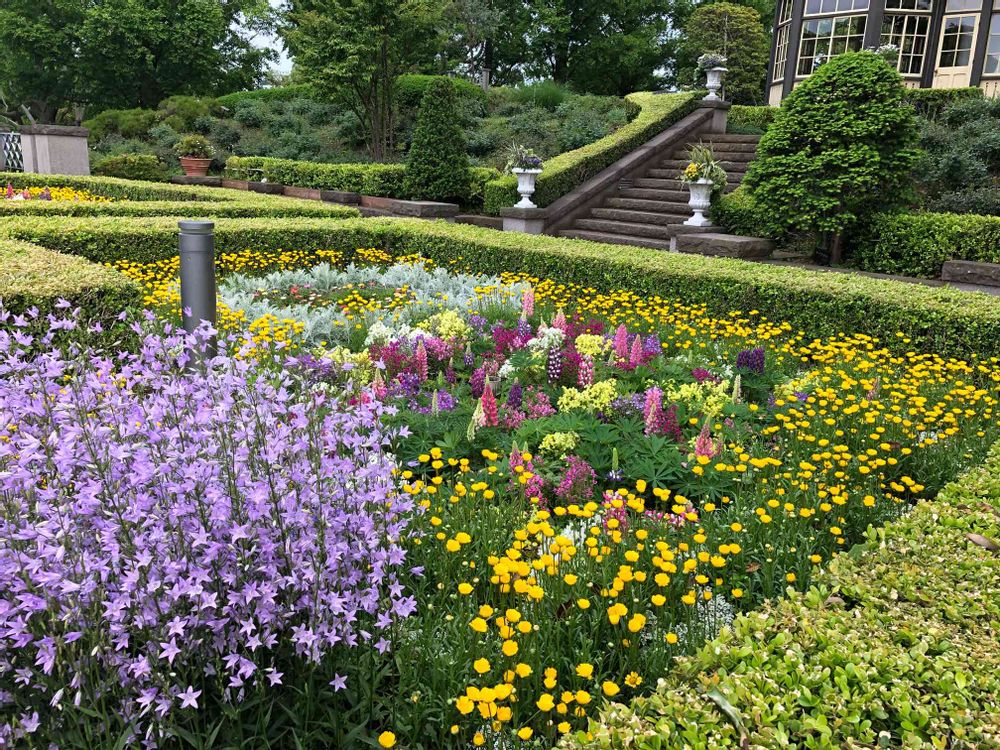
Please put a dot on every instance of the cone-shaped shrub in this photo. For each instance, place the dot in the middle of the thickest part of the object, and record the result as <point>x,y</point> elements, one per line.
<point>438,166</point>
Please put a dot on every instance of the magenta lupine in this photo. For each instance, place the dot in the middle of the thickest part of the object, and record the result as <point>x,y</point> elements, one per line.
<point>489,402</point>
<point>635,353</point>
<point>171,541</point>
<point>620,343</point>
<point>585,373</point>
<point>420,361</point>
<point>578,483</point>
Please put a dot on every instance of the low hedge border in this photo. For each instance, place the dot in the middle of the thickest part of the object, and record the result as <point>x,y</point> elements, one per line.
<point>942,320</point>
<point>139,198</point>
<point>378,180</point>
<point>750,119</point>
<point>918,244</point>
<point>36,277</point>
<point>897,644</point>
<point>650,114</point>
<point>930,102</point>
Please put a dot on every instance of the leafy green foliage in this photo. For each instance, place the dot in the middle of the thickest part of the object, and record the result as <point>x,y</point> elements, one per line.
<point>946,321</point>
<point>194,146</point>
<point>651,114</point>
<point>132,167</point>
<point>840,148</point>
<point>737,33</point>
<point>750,120</point>
<point>930,103</point>
<point>919,594</point>
<point>126,53</point>
<point>352,51</point>
<point>438,167</point>
<point>960,149</point>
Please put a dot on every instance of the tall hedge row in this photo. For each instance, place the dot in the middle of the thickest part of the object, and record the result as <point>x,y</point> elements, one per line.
<point>822,303</point>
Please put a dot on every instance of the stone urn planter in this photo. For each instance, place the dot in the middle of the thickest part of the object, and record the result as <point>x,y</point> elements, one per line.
<point>713,82</point>
<point>700,201</point>
<point>526,186</point>
<point>194,166</point>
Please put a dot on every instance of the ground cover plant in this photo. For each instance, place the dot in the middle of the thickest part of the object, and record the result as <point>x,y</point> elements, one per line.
<point>602,481</point>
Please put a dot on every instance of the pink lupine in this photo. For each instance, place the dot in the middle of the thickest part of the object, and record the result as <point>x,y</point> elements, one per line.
<point>620,344</point>
<point>585,372</point>
<point>420,360</point>
<point>652,411</point>
<point>528,302</point>
<point>490,411</point>
<point>705,445</point>
<point>635,354</point>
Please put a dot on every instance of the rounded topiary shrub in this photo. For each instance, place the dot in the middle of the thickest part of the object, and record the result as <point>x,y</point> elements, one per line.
<point>133,167</point>
<point>438,165</point>
<point>841,147</point>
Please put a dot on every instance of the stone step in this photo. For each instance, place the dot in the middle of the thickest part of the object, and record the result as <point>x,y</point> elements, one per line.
<point>656,231</point>
<point>732,138</point>
<point>742,157</point>
<point>727,148</point>
<point>679,164</point>
<point>667,179</point>
<point>649,194</point>
<point>725,245</point>
<point>655,206</point>
<point>616,239</point>
<point>971,272</point>
<point>678,214</point>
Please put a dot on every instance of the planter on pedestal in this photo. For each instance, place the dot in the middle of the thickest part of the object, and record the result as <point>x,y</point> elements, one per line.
<point>526,186</point>
<point>700,201</point>
<point>713,83</point>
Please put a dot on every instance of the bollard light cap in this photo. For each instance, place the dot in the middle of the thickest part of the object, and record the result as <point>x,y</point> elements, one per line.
<point>196,227</point>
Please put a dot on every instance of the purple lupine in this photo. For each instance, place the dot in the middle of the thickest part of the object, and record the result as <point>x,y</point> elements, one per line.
<point>477,382</point>
<point>751,360</point>
<point>516,395</point>
<point>553,366</point>
<point>172,540</point>
<point>651,346</point>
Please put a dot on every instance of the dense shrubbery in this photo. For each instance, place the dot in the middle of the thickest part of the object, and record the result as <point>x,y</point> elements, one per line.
<point>840,148</point>
<point>930,103</point>
<point>132,167</point>
<point>750,120</point>
<point>961,154</point>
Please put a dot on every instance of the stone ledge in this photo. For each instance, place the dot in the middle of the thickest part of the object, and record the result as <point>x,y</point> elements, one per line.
<point>724,245</point>
<point>340,196</point>
<point>235,184</point>
<point>488,222</point>
<point>267,188</point>
<point>203,181</point>
<point>417,209</point>
<point>971,272</point>
<point>309,194</point>
<point>524,220</point>
<point>64,130</point>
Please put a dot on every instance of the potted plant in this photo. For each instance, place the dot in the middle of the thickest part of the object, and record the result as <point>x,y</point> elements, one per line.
<point>196,154</point>
<point>714,66</point>
<point>527,165</point>
<point>703,176</point>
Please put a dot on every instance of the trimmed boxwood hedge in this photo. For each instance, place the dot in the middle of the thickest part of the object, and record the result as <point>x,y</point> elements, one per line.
<point>650,114</point>
<point>138,198</point>
<point>274,94</point>
<point>917,244</point>
<point>941,320</point>
<point>930,102</point>
<point>36,277</point>
<point>750,119</point>
<point>897,644</point>
<point>380,180</point>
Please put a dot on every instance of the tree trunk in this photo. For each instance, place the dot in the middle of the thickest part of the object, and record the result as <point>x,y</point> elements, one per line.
<point>836,249</point>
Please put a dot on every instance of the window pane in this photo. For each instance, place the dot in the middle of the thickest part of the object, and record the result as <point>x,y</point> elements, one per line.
<point>992,64</point>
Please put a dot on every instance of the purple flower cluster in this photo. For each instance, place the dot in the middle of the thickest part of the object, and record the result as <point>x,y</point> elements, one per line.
<point>172,539</point>
<point>751,360</point>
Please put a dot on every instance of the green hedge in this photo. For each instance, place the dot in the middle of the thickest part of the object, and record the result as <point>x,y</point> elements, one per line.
<point>652,114</point>
<point>35,277</point>
<point>930,102</point>
<point>275,94</point>
<point>941,320</point>
<point>381,180</point>
<point>917,244</point>
<point>134,198</point>
<point>897,644</point>
<point>750,119</point>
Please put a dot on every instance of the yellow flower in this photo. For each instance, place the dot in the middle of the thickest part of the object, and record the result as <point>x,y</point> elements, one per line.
<point>610,689</point>
<point>481,665</point>
<point>524,733</point>
<point>479,625</point>
<point>585,670</point>
<point>387,739</point>
<point>545,702</point>
<point>509,648</point>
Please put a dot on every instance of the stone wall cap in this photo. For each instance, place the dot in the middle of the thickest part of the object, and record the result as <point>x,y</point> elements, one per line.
<point>65,130</point>
<point>513,212</point>
<point>716,104</point>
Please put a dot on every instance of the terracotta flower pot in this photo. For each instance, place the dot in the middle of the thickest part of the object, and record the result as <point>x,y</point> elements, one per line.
<point>195,167</point>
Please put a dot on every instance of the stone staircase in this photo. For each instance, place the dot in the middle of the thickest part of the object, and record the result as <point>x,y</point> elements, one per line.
<point>650,211</point>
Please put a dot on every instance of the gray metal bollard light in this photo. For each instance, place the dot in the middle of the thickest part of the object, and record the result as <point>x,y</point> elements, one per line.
<point>197,249</point>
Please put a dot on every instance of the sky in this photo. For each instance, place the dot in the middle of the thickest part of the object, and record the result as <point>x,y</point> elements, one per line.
<point>284,64</point>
